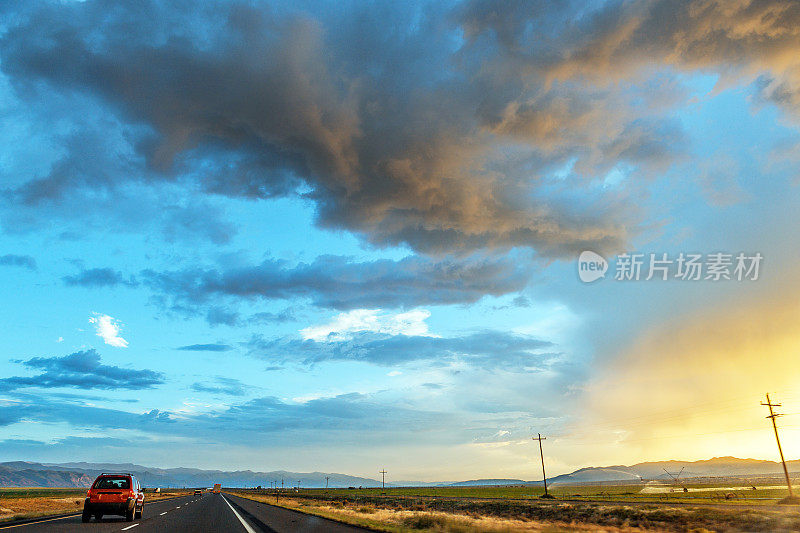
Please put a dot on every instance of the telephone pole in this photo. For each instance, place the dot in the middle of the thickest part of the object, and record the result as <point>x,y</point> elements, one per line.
<point>326,482</point>
<point>791,498</point>
<point>541,454</point>
<point>383,479</point>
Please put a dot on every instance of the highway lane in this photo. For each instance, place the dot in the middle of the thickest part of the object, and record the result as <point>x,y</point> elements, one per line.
<point>187,513</point>
<point>269,518</point>
<point>207,513</point>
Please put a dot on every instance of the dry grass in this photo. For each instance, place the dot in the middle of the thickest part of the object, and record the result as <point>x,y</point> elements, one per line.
<point>17,504</point>
<point>400,520</point>
<point>408,514</point>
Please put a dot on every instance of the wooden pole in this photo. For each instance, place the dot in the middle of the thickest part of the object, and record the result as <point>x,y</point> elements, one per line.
<point>773,415</point>
<point>541,454</point>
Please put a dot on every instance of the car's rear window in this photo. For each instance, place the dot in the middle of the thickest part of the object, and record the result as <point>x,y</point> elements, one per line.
<point>112,483</point>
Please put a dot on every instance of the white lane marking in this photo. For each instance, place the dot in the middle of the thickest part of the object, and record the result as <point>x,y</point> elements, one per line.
<point>162,514</point>
<point>14,526</point>
<point>245,524</point>
<point>40,521</point>
<point>178,507</point>
<point>129,527</point>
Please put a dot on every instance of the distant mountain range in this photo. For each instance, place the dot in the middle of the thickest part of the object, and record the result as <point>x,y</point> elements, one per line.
<point>716,467</point>
<point>28,474</point>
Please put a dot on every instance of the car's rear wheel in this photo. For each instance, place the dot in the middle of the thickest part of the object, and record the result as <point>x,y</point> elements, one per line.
<point>86,516</point>
<point>129,515</point>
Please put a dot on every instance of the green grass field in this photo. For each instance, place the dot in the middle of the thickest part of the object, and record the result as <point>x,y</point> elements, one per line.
<point>40,492</point>
<point>721,491</point>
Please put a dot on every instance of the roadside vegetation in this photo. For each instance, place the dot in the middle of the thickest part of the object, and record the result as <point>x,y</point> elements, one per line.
<point>34,502</point>
<point>727,492</point>
<point>408,513</point>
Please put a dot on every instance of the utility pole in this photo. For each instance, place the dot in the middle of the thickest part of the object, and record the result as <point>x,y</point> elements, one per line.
<point>791,498</point>
<point>541,454</point>
<point>326,482</point>
<point>281,482</point>
<point>383,479</point>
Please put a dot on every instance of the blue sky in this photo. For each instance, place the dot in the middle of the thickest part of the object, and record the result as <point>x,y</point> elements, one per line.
<point>343,237</point>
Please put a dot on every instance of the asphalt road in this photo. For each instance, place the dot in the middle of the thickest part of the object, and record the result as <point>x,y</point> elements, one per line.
<point>207,513</point>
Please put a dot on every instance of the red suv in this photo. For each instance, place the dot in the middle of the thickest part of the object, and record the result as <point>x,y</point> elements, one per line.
<point>118,494</point>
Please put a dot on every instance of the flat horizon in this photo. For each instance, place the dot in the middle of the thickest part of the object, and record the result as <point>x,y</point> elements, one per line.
<point>401,236</point>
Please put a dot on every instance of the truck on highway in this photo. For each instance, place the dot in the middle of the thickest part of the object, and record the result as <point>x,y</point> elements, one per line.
<point>217,488</point>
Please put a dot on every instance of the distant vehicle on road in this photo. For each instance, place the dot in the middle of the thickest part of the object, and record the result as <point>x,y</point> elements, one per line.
<point>117,494</point>
<point>197,491</point>
<point>217,488</point>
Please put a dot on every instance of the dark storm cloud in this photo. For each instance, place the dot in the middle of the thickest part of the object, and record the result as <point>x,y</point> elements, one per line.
<point>605,43</point>
<point>396,129</point>
<point>339,282</point>
<point>206,348</point>
<point>435,125</point>
<point>24,261</point>
<point>99,277</point>
<point>82,370</point>
<point>485,350</point>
